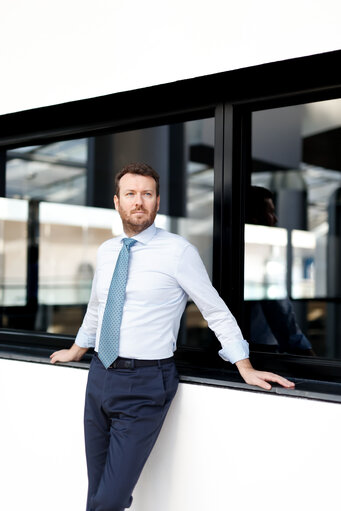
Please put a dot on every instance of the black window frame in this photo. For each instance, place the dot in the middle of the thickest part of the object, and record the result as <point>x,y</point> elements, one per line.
<point>231,97</point>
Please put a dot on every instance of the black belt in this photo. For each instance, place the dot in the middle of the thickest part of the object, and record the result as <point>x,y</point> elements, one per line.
<point>130,363</point>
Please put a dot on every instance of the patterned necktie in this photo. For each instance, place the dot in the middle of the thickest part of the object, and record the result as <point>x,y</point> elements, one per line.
<point>111,325</point>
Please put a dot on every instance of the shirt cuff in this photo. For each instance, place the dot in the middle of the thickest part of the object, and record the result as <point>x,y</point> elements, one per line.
<point>85,341</point>
<point>235,351</point>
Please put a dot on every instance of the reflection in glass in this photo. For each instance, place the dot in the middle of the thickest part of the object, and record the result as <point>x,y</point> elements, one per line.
<point>69,187</point>
<point>69,238</point>
<point>13,252</point>
<point>296,155</point>
<point>272,324</point>
<point>53,172</point>
<point>265,257</point>
<point>303,264</point>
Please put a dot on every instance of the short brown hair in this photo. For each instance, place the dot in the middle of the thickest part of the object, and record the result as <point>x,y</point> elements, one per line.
<point>141,169</point>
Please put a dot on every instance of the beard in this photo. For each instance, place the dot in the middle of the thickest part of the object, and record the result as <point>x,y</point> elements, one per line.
<point>133,223</point>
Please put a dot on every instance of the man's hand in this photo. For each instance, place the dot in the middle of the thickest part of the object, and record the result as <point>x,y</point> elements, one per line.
<point>74,353</point>
<point>260,378</point>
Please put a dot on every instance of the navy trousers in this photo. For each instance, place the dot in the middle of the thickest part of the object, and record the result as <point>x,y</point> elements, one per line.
<point>124,412</point>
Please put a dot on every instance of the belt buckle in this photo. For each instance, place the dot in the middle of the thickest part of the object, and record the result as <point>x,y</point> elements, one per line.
<point>127,364</point>
<point>123,364</point>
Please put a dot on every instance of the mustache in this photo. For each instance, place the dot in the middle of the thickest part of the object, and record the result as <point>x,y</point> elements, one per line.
<point>139,210</point>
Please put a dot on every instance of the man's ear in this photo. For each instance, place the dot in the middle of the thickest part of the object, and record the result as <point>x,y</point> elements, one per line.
<point>158,202</point>
<point>115,201</point>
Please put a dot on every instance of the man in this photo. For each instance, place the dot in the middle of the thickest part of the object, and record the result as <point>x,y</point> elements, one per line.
<point>260,207</point>
<point>127,399</point>
<point>273,324</point>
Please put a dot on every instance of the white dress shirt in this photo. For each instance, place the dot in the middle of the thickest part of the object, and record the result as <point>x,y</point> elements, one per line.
<point>164,269</point>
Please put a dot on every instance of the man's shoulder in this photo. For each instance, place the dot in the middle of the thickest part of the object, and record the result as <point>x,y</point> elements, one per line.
<point>174,240</point>
<point>109,244</point>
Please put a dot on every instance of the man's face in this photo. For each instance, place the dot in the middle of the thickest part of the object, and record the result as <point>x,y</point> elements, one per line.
<point>137,202</point>
<point>270,213</point>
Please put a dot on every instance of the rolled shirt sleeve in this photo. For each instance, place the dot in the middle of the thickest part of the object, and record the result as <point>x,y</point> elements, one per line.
<point>193,278</point>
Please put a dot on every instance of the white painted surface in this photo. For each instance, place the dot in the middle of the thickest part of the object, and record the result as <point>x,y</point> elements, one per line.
<point>219,448</point>
<point>42,460</point>
<point>53,52</point>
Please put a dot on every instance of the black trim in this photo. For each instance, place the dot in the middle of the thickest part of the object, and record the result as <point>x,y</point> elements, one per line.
<point>26,338</point>
<point>218,197</point>
<point>232,161</point>
<point>2,173</point>
<point>232,96</point>
<point>258,87</point>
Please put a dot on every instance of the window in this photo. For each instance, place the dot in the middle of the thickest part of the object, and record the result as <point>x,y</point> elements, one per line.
<point>292,271</point>
<point>59,209</point>
<point>64,187</point>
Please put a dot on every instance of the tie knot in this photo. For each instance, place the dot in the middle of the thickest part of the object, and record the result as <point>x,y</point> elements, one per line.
<point>129,242</point>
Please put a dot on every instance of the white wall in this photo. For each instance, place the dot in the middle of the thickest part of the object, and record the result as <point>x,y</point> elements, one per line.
<point>42,460</point>
<point>219,448</point>
<point>52,52</point>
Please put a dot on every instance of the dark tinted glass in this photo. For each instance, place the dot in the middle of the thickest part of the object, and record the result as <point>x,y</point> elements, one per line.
<point>59,209</point>
<point>293,235</point>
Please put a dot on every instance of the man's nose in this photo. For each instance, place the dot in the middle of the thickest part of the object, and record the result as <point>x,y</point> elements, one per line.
<point>138,199</point>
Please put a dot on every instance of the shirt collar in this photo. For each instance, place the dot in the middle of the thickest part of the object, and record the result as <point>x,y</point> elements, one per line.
<point>144,236</point>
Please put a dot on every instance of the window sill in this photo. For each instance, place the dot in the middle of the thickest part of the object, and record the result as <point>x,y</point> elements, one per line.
<point>227,378</point>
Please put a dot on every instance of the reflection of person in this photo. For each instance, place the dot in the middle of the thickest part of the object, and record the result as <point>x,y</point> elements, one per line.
<point>272,322</point>
<point>127,402</point>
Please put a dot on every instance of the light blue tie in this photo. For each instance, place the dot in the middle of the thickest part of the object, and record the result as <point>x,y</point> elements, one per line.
<point>112,317</point>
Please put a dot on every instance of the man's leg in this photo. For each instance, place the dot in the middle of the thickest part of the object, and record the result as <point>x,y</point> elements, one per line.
<point>134,403</point>
<point>96,428</point>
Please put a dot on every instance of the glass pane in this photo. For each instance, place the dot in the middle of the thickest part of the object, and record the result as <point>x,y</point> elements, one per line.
<point>69,238</point>
<point>296,158</point>
<point>13,252</point>
<point>265,271</point>
<point>183,154</point>
<point>69,187</point>
<point>54,172</point>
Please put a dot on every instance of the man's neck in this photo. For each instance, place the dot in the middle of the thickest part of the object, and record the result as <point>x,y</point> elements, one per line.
<point>130,231</point>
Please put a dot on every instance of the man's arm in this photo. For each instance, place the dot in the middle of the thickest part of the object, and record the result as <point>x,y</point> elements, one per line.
<point>281,319</point>
<point>86,335</point>
<point>74,353</point>
<point>260,378</point>
<point>193,278</point>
